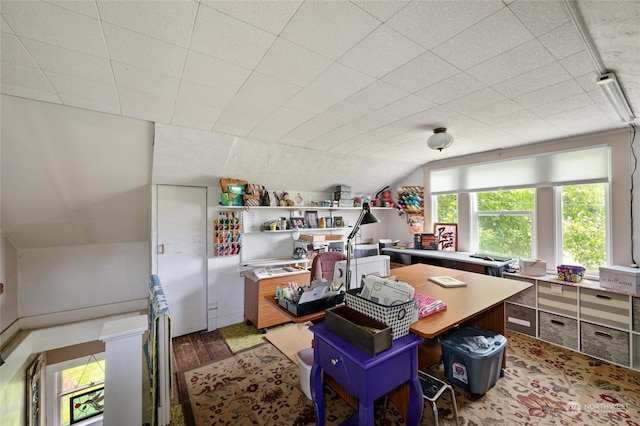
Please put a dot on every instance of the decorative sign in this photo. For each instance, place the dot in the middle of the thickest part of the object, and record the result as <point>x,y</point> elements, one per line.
<point>446,236</point>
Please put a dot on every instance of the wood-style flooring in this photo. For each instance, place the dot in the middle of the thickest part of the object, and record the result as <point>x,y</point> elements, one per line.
<point>189,352</point>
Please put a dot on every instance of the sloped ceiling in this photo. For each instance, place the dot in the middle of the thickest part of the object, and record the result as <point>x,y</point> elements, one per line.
<point>322,92</point>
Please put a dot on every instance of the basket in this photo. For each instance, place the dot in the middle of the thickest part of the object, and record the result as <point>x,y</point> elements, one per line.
<point>398,317</point>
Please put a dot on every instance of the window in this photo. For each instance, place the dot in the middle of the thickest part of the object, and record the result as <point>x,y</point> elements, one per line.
<point>505,223</point>
<point>81,381</point>
<point>584,225</point>
<point>446,208</point>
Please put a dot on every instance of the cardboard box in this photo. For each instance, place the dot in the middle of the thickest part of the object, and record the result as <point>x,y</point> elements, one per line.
<point>343,188</point>
<point>356,328</point>
<point>336,237</point>
<point>533,268</point>
<point>311,237</point>
<point>621,278</point>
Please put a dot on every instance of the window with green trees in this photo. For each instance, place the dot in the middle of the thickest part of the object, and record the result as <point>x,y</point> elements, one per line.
<point>446,208</point>
<point>584,225</point>
<point>505,223</point>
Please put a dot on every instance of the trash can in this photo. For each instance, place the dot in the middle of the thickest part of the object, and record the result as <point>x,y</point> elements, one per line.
<point>473,358</point>
<point>305,362</point>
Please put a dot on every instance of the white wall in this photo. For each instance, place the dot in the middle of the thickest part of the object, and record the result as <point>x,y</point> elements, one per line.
<point>9,277</point>
<point>59,279</point>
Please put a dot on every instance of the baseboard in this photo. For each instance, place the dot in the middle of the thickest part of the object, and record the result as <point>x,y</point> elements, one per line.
<point>84,314</point>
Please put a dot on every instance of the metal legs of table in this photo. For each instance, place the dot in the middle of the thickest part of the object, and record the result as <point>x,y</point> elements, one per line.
<point>432,389</point>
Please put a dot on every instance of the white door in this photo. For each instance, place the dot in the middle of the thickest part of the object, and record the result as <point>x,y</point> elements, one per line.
<point>182,255</point>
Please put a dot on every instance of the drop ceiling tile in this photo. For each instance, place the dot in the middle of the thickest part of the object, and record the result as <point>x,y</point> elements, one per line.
<point>339,135</point>
<point>142,80</point>
<point>145,106</point>
<point>494,111</point>
<point>242,114</point>
<point>317,126</point>
<point>551,93</point>
<point>194,115</point>
<point>12,50</point>
<point>279,123</point>
<point>540,16</point>
<point>454,87</point>
<point>47,23</point>
<point>222,76</point>
<point>27,82</point>
<point>377,95</point>
<point>70,62</point>
<point>409,105</point>
<point>412,76</point>
<point>144,52</point>
<point>227,38</point>
<point>561,118</point>
<point>482,42</point>
<point>329,28</point>
<point>381,52</point>
<point>170,21</point>
<point>270,16</point>
<point>348,110</point>
<point>77,88</point>
<point>562,105</point>
<point>383,10</point>
<point>578,64</point>
<point>517,61</point>
<point>201,94</point>
<point>4,27</point>
<point>563,41</point>
<point>339,82</point>
<point>312,101</point>
<point>588,81</point>
<point>90,104</point>
<point>292,63</point>
<point>431,23</point>
<point>476,100</point>
<point>262,87</point>
<point>87,8</point>
<point>533,80</point>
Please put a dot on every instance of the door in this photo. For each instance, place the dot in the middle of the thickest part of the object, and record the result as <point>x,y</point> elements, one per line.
<point>182,255</point>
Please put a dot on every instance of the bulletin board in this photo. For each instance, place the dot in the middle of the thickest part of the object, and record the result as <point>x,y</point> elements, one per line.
<point>446,236</point>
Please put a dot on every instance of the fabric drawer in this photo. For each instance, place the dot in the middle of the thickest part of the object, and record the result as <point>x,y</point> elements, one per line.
<point>558,298</point>
<point>605,343</point>
<point>521,319</point>
<point>525,297</point>
<point>605,308</point>
<point>636,314</point>
<point>557,329</point>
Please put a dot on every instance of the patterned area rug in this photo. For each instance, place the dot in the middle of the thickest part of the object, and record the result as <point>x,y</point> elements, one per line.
<point>542,385</point>
<point>242,336</point>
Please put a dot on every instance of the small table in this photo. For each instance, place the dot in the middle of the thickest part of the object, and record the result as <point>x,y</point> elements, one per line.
<point>364,376</point>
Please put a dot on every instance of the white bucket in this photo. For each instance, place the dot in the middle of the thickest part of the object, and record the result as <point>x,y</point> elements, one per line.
<point>305,362</point>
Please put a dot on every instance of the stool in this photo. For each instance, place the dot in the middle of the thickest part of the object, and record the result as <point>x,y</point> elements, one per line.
<point>432,388</point>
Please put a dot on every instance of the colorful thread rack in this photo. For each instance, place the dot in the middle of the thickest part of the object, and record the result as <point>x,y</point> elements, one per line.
<point>227,233</point>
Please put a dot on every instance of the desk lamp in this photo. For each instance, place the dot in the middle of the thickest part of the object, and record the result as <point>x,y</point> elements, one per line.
<point>365,218</point>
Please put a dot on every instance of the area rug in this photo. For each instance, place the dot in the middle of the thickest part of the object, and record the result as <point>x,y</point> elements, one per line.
<point>242,336</point>
<point>542,385</point>
<point>291,340</point>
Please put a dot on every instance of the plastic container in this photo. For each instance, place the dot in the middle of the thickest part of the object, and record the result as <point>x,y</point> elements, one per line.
<point>473,367</point>
<point>571,273</point>
<point>305,362</point>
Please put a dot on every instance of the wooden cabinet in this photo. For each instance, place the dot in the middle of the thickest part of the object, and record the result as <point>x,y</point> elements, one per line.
<point>256,310</point>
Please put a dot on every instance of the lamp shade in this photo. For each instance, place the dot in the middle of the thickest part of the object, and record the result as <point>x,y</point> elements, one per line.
<point>440,139</point>
<point>368,217</point>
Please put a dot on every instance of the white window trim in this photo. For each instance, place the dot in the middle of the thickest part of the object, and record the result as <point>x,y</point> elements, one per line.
<point>53,384</point>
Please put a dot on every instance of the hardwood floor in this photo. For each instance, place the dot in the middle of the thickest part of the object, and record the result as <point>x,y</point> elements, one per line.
<point>189,352</point>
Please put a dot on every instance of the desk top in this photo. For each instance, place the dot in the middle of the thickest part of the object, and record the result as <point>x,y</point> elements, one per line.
<point>460,256</point>
<point>482,293</point>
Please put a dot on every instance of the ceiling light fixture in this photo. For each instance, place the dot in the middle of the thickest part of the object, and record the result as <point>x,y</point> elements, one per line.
<point>612,90</point>
<point>440,139</point>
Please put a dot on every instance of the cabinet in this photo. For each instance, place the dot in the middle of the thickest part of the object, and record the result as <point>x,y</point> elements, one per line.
<point>599,322</point>
<point>256,310</point>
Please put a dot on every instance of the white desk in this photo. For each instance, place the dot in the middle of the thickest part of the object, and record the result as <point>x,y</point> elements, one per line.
<point>452,259</point>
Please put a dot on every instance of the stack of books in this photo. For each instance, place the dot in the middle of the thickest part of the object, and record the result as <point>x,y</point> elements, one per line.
<point>427,305</point>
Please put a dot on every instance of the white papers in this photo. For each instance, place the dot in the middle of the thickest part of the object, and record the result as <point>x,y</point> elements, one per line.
<point>385,291</point>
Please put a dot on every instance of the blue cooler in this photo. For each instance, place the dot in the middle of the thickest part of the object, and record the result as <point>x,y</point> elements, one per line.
<point>473,358</point>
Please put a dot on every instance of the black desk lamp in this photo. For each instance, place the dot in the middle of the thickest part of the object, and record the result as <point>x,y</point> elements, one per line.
<point>365,218</point>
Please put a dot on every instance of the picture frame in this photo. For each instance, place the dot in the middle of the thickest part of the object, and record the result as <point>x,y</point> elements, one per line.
<point>446,236</point>
<point>35,392</point>
<point>328,222</point>
<point>338,222</point>
<point>297,222</point>
<point>311,217</point>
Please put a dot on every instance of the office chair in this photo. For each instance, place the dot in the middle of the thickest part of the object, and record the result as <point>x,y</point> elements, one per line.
<point>323,264</point>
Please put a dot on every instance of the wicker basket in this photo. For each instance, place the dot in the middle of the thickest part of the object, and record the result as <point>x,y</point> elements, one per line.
<point>399,317</point>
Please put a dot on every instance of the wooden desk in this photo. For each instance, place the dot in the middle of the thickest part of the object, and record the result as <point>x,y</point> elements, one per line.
<point>480,303</point>
<point>451,259</point>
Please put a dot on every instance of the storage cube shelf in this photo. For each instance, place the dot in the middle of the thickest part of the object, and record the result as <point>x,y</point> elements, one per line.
<point>599,322</point>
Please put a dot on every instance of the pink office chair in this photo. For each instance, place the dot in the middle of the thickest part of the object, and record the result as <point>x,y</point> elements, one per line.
<point>323,264</point>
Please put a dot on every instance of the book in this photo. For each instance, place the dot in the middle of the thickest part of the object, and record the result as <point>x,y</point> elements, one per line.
<point>446,281</point>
